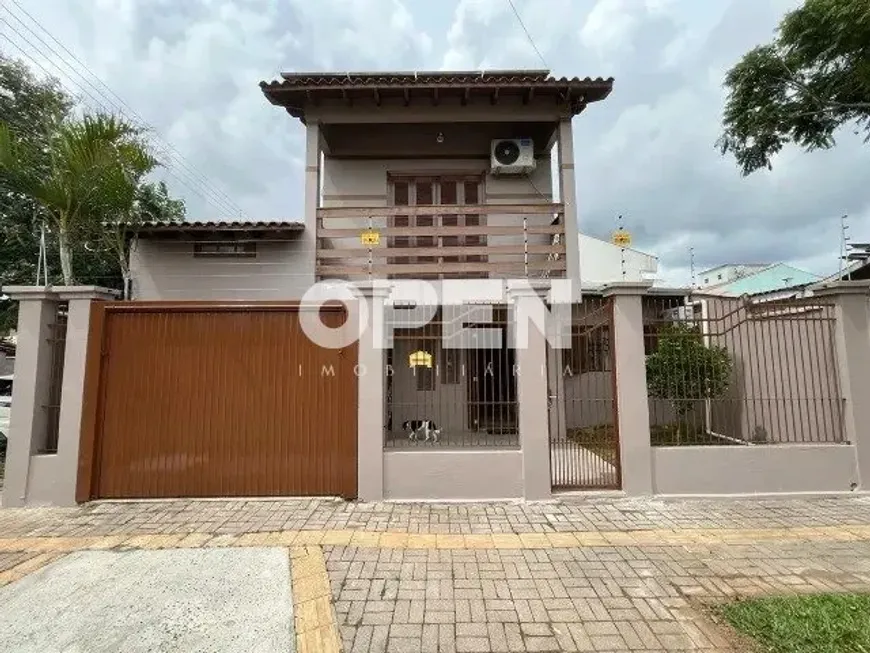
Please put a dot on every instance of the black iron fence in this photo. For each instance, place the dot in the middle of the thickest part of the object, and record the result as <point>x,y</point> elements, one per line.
<point>732,371</point>
<point>451,382</point>
<point>57,342</point>
<point>584,439</point>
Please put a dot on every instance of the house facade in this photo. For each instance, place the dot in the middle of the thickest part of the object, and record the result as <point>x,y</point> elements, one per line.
<point>376,348</point>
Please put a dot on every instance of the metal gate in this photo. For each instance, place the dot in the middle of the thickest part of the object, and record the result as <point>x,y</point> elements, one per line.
<point>584,438</point>
<point>191,399</point>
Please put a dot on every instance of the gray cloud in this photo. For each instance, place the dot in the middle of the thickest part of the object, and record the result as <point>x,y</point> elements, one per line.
<point>192,68</point>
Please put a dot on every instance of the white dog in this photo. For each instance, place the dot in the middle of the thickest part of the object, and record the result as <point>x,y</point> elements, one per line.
<point>424,427</point>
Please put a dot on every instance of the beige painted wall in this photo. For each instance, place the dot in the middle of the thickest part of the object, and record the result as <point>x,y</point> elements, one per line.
<point>168,270</point>
<point>754,470</point>
<point>468,475</point>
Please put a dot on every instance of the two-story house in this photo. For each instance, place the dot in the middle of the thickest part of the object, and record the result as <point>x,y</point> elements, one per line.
<point>208,384</point>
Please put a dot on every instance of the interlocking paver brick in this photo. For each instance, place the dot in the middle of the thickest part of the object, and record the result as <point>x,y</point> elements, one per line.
<point>591,575</point>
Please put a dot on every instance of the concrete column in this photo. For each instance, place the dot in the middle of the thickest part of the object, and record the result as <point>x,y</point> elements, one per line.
<point>631,392</point>
<point>568,195</point>
<point>313,152</point>
<point>852,301</point>
<point>531,361</point>
<point>34,478</point>
<point>27,425</point>
<point>371,388</point>
<point>72,389</point>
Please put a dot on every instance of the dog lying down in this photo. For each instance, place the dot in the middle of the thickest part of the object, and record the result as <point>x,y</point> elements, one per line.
<point>421,427</point>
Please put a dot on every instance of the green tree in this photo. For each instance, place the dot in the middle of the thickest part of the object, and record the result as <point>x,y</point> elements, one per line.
<point>683,370</point>
<point>34,108</point>
<point>811,80</point>
<point>95,164</point>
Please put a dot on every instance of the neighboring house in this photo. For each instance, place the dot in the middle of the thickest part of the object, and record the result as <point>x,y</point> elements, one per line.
<point>602,262</point>
<point>727,273</point>
<point>774,281</point>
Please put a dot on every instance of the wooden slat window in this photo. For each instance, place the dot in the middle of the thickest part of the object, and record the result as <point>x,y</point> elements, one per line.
<point>435,190</point>
<point>228,249</point>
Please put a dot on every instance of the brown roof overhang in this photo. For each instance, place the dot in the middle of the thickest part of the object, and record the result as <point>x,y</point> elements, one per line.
<point>296,91</point>
<point>262,228</point>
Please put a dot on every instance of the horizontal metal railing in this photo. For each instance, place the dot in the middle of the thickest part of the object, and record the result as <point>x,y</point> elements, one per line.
<point>441,241</point>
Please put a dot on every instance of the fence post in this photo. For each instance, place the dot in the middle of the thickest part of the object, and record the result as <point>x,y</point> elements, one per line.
<point>28,422</point>
<point>370,424</point>
<point>852,310</point>
<point>79,299</point>
<point>632,405</point>
<point>531,361</point>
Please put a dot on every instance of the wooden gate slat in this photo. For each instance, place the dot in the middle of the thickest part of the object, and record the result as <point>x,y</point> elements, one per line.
<point>219,400</point>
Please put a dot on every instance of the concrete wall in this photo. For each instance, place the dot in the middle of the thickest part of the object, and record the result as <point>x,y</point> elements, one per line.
<point>603,262</point>
<point>754,469</point>
<point>479,474</point>
<point>168,270</point>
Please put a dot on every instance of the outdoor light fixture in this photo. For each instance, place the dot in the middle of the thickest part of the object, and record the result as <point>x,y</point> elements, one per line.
<point>420,358</point>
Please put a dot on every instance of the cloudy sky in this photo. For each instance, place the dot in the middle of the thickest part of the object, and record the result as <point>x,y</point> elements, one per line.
<point>190,69</point>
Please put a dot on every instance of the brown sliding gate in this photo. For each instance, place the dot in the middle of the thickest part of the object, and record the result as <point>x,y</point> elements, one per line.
<point>195,399</point>
<point>584,439</point>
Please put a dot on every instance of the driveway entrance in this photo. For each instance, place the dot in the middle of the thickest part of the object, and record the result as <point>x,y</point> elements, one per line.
<point>201,400</point>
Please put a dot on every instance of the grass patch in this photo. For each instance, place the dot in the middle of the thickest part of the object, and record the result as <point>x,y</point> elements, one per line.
<point>823,623</point>
<point>676,435</point>
<point>601,438</point>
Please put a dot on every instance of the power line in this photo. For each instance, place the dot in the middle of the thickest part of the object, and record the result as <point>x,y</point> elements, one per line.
<point>528,36</point>
<point>181,171</point>
<point>186,178</point>
<point>175,175</point>
<point>119,99</point>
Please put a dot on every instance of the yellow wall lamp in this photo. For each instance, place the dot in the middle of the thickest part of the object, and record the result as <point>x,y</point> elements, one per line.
<point>420,358</point>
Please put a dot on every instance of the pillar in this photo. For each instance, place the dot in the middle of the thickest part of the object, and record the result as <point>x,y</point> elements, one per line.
<point>631,391</point>
<point>72,389</point>
<point>313,152</point>
<point>852,310</point>
<point>568,195</point>
<point>28,420</point>
<point>531,361</point>
<point>371,388</point>
<point>34,477</point>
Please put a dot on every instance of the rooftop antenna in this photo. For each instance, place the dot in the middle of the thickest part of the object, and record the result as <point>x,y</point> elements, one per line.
<point>621,249</point>
<point>844,238</point>
<point>692,265</point>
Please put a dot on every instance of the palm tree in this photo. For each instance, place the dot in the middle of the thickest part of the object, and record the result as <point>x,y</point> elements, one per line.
<point>95,165</point>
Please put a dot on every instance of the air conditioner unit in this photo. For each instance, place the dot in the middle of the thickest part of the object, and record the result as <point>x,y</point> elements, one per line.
<point>512,156</point>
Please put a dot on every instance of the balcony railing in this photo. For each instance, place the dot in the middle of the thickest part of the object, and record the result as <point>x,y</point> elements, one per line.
<point>455,241</point>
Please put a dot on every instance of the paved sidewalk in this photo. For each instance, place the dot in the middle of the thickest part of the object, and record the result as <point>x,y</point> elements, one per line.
<point>595,575</point>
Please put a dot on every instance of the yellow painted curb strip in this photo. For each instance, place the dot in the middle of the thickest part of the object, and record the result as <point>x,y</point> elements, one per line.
<point>314,617</point>
<point>403,540</point>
